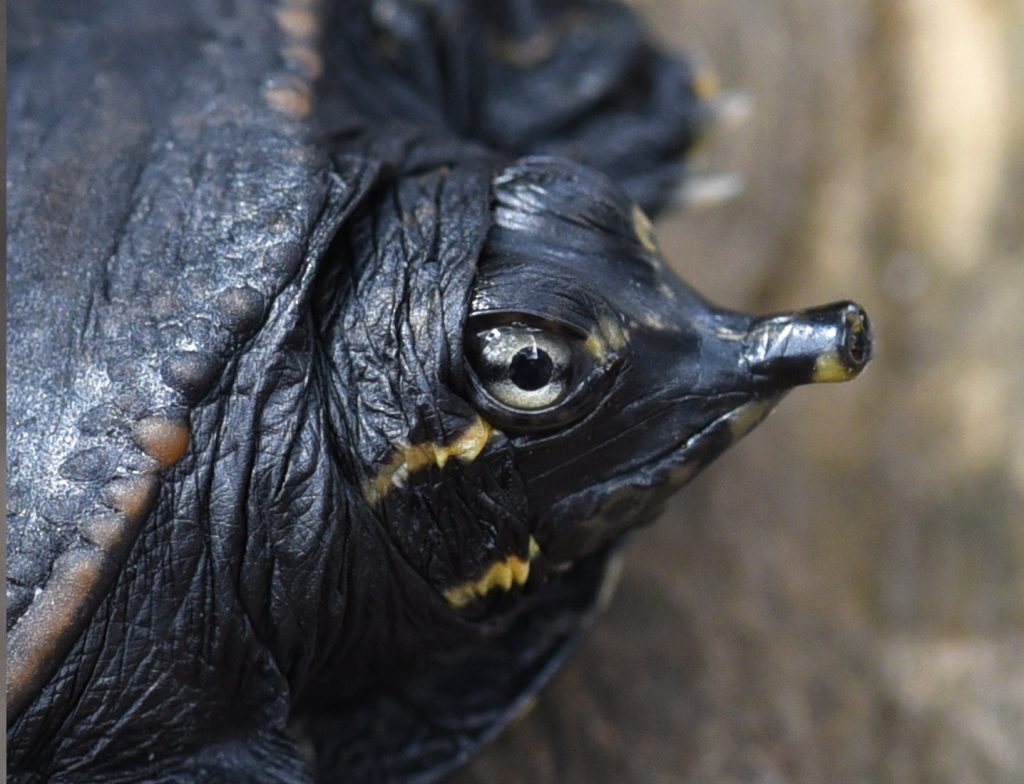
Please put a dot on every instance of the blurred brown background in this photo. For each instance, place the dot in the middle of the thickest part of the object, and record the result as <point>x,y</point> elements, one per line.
<point>841,597</point>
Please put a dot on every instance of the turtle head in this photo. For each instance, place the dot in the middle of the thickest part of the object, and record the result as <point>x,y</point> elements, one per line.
<point>523,378</point>
<point>613,380</point>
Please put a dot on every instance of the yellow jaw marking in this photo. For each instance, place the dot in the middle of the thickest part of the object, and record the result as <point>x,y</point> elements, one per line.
<point>415,457</point>
<point>500,574</point>
<point>829,368</point>
<point>748,416</point>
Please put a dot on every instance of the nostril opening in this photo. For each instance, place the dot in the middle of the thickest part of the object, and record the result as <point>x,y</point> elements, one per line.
<point>857,348</point>
<point>858,342</point>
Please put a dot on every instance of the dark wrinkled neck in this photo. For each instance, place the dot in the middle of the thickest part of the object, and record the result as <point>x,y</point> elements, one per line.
<point>387,313</point>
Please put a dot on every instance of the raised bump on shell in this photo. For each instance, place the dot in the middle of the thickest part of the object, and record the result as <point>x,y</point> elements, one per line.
<point>191,373</point>
<point>294,99</point>
<point>163,438</point>
<point>306,58</point>
<point>86,465</point>
<point>297,22</point>
<point>241,309</point>
<point>49,624</point>
<point>132,496</point>
<point>107,531</point>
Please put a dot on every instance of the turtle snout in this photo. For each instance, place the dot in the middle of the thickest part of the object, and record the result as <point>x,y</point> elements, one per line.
<point>825,344</point>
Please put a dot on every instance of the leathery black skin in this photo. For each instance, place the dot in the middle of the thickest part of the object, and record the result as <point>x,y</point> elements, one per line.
<point>332,382</point>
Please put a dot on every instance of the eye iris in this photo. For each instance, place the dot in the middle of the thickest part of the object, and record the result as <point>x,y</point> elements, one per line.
<point>530,369</point>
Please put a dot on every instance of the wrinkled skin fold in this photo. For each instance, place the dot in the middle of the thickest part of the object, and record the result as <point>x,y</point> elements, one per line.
<point>282,507</point>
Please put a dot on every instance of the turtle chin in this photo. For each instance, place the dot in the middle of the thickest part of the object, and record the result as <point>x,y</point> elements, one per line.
<point>605,512</point>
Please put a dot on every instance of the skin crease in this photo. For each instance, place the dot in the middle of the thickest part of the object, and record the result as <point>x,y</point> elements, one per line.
<point>271,312</point>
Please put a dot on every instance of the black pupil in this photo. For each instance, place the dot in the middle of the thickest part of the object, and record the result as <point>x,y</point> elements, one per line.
<point>530,369</point>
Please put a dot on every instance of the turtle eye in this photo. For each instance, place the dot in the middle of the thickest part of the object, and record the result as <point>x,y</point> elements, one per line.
<point>523,367</point>
<point>528,377</point>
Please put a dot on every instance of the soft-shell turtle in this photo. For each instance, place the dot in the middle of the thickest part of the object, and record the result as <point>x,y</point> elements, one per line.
<point>332,380</point>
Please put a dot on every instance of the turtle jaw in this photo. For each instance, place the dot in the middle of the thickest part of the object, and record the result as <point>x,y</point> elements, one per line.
<point>624,502</point>
<point>749,365</point>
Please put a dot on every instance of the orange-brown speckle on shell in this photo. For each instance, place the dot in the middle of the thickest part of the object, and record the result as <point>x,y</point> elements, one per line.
<point>294,99</point>
<point>132,496</point>
<point>308,60</point>
<point>165,439</point>
<point>108,531</point>
<point>297,21</point>
<point>48,624</point>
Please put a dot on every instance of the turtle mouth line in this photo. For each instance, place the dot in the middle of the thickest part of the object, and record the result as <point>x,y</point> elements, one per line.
<point>711,440</point>
<point>633,499</point>
<point>667,472</point>
<point>681,461</point>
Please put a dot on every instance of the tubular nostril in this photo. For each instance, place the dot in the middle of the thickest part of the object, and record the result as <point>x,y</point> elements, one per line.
<point>825,344</point>
<point>857,342</point>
